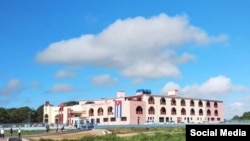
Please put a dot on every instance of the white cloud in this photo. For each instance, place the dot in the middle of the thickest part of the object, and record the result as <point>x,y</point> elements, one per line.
<point>13,87</point>
<point>170,86</point>
<point>104,80</point>
<point>140,47</point>
<point>212,88</point>
<point>62,88</point>
<point>64,74</point>
<point>217,88</point>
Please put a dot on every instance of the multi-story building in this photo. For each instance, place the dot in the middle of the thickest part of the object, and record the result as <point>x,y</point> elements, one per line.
<point>143,107</point>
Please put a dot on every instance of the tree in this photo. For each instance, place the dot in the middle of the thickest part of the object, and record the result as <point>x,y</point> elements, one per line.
<point>39,111</point>
<point>4,116</point>
<point>245,116</point>
<point>71,103</point>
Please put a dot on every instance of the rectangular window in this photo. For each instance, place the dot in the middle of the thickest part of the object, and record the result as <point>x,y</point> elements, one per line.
<point>97,120</point>
<point>112,119</point>
<point>124,119</point>
<point>161,119</point>
<point>105,119</point>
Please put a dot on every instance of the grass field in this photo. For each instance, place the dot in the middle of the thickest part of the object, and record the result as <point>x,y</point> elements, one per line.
<point>116,134</point>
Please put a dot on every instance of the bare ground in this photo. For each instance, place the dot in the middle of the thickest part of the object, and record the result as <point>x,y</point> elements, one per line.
<point>76,135</point>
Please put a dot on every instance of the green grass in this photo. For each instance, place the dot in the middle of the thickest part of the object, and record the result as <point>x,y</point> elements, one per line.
<point>25,132</point>
<point>144,134</point>
<point>158,136</point>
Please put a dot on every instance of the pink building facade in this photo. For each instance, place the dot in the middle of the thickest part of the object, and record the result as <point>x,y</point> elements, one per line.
<point>142,108</point>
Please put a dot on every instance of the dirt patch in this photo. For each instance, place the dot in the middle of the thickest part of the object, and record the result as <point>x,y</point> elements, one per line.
<point>76,135</point>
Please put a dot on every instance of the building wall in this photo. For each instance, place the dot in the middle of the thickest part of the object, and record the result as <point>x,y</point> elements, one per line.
<point>133,117</point>
<point>184,113</point>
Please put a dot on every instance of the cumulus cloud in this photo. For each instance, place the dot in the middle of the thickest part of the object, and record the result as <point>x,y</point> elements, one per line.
<point>170,86</point>
<point>64,74</point>
<point>105,79</point>
<point>214,87</point>
<point>218,87</point>
<point>13,87</point>
<point>62,88</point>
<point>139,47</point>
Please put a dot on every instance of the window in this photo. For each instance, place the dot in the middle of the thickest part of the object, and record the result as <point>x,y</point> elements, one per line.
<point>91,112</point>
<point>163,111</point>
<point>192,112</point>
<point>200,112</point>
<point>183,111</point>
<point>173,102</point>
<point>97,120</point>
<point>208,104</point>
<point>161,119</point>
<point>100,112</point>
<point>173,111</point>
<point>151,111</point>
<point>151,100</point>
<point>215,105</point>
<point>124,119</point>
<point>208,112</point>
<point>112,119</point>
<point>192,103</point>
<point>183,103</point>
<point>110,111</point>
<point>105,119</point>
<point>200,104</point>
<point>216,113</point>
<point>162,101</point>
<point>139,110</point>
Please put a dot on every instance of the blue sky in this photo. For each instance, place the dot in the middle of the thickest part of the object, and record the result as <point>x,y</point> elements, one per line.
<point>65,50</point>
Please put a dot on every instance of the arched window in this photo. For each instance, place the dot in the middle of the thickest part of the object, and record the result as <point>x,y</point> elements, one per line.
<point>151,111</point>
<point>192,103</point>
<point>139,110</point>
<point>91,112</point>
<point>208,112</point>
<point>215,104</point>
<point>110,110</point>
<point>100,112</point>
<point>201,112</point>
<point>163,111</point>
<point>216,112</point>
<point>173,111</point>
<point>183,111</point>
<point>151,100</point>
<point>200,104</point>
<point>173,102</point>
<point>208,104</point>
<point>183,102</point>
<point>162,101</point>
<point>192,112</point>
